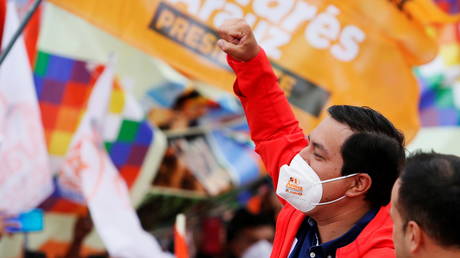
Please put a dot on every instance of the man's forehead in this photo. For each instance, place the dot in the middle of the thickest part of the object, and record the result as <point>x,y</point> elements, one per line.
<point>329,131</point>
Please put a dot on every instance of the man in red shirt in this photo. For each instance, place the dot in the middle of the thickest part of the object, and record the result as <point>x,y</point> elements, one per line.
<point>336,185</point>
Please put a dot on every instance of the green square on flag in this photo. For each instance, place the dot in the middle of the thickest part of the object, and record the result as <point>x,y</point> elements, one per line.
<point>41,63</point>
<point>128,131</point>
<point>445,98</point>
<point>108,146</point>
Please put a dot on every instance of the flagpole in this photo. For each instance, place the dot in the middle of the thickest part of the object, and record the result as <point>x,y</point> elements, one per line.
<point>16,35</point>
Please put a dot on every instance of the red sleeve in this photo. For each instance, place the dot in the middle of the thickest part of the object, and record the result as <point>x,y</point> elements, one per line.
<point>273,126</point>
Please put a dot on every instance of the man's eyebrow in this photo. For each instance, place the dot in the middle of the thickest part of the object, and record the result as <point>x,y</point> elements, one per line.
<point>315,144</point>
<point>319,146</point>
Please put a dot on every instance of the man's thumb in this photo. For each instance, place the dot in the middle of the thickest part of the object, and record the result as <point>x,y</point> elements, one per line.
<point>227,47</point>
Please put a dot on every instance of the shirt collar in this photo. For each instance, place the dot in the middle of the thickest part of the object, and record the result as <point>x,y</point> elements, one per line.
<point>349,236</point>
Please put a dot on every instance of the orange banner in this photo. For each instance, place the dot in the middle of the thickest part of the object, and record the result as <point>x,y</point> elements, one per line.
<point>325,52</point>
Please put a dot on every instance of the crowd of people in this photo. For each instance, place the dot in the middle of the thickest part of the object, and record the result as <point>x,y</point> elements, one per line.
<point>347,189</point>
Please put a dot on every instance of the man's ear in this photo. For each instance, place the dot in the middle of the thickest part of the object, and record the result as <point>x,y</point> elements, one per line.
<point>359,185</point>
<point>414,237</point>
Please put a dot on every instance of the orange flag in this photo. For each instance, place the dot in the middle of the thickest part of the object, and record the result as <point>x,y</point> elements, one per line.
<point>180,243</point>
<point>324,52</point>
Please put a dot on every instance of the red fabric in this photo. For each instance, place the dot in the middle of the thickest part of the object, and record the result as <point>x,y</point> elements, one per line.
<point>2,18</point>
<point>212,229</point>
<point>31,34</point>
<point>278,138</point>
<point>375,241</point>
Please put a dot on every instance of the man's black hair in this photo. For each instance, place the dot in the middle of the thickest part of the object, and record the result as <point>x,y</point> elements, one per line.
<point>243,219</point>
<point>187,95</point>
<point>375,148</point>
<point>429,194</point>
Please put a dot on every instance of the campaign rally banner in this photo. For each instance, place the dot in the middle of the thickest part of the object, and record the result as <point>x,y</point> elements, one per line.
<point>324,52</point>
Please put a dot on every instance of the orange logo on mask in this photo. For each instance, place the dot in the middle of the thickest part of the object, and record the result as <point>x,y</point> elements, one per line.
<point>293,186</point>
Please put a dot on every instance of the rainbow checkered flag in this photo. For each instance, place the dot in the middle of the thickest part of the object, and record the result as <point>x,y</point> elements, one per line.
<point>440,79</point>
<point>63,86</point>
<point>136,149</point>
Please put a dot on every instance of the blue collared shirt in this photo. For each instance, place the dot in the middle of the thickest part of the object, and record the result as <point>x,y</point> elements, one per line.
<point>309,245</point>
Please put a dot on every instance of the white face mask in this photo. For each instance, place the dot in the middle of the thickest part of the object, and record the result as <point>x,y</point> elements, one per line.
<point>301,187</point>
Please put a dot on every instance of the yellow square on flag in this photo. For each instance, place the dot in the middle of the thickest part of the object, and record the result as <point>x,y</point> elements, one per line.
<point>60,142</point>
<point>117,102</point>
<point>450,54</point>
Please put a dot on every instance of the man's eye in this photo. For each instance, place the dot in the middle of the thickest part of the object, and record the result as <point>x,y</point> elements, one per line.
<point>317,156</point>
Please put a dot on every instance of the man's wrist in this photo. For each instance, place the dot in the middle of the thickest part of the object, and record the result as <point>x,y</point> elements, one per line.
<point>235,60</point>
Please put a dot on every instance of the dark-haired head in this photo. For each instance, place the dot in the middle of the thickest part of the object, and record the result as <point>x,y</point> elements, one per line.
<point>246,229</point>
<point>376,148</point>
<point>180,101</point>
<point>429,195</point>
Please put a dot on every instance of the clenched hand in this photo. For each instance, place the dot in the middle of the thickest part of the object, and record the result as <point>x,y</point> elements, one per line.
<point>237,40</point>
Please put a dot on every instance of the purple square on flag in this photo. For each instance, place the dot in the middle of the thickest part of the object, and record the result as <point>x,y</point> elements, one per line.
<point>80,73</point>
<point>119,153</point>
<point>137,155</point>
<point>38,81</point>
<point>429,117</point>
<point>52,91</point>
<point>59,68</point>
<point>144,134</point>
<point>448,116</point>
<point>427,99</point>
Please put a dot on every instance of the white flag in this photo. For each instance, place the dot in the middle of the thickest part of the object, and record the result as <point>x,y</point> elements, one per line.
<point>89,167</point>
<point>25,177</point>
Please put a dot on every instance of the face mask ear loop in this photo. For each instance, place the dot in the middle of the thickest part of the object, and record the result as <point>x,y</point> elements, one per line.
<point>337,178</point>
<point>329,202</point>
<point>332,180</point>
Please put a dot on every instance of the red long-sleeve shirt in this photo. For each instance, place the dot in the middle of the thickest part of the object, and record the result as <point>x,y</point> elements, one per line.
<point>278,138</point>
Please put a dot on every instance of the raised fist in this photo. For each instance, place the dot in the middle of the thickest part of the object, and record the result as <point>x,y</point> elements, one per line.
<point>237,40</point>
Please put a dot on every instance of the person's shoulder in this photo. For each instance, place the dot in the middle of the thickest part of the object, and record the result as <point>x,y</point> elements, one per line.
<point>375,240</point>
<point>381,226</point>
